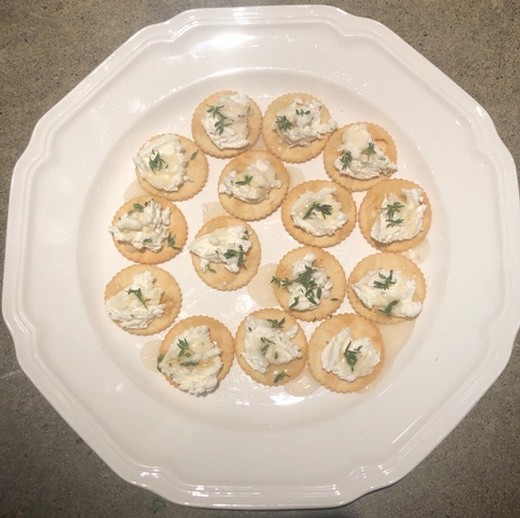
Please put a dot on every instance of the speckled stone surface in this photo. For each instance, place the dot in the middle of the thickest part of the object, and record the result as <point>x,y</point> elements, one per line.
<point>46,48</point>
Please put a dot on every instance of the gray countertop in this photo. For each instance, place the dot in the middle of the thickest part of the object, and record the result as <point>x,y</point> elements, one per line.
<point>46,48</point>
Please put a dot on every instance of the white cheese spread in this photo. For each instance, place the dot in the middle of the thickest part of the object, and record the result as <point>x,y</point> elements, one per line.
<point>349,359</point>
<point>162,162</point>
<point>308,286</point>
<point>227,245</point>
<point>144,226</point>
<point>138,304</point>
<point>193,361</point>
<point>318,212</point>
<point>299,124</point>
<point>399,220</point>
<point>253,184</point>
<point>267,344</point>
<point>360,157</point>
<point>390,292</point>
<point>226,121</point>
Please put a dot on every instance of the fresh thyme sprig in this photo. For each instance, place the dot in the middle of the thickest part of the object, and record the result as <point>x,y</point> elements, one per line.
<point>184,347</point>
<point>370,150</point>
<point>345,159</point>
<point>246,181</point>
<point>222,120</point>
<point>313,291</point>
<point>387,281</point>
<point>324,209</point>
<point>239,254</point>
<point>302,112</point>
<point>156,162</point>
<point>351,355</point>
<point>387,310</point>
<point>276,324</point>
<point>390,210</point>
<point>283,123</point>
<point>171,242</point>
<point>280,376</point>
<point>266,344</point>
<point>139,294</point>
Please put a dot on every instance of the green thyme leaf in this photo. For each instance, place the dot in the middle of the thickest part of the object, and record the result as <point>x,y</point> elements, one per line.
<point>136,207</point>
<point>324,209</point>
<point>386,282</point>
<point>239,254</point>
<point>351,355</point>
<point>246,181</point>
<point>283,123</point>
<point>156,162</point>
<point>387,310</point>
<point>276,324</point>
<point>184,347</point>
<point>390,211</point>
<point>193,155</point>
<point>171,242</point>
<point>280,376</point>
<point>139,294</point>
<point>346,160</point>
<point>302,112</point>
<point>371,149</point>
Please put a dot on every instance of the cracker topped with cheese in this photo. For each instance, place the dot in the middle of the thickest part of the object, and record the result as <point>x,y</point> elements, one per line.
<point>149,230</point>
<point>346,353</point>
<point>296,127</point>
<point>143,299</point>
<point>226,253</point>
<point>319,213</point>
<point>196,354</point>
<point>309,283</point>
<point>270,346</point>
<point>360,155</point>
<point>226,124</point>
<point>387,288</point>
<point>395,215</point>
<point>171,166</point>
<point>253,185</point>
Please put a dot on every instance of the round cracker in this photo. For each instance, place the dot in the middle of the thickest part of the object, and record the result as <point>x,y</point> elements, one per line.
<point>371,207</point>
<point>205,143</point>
<point>348,206</point>
<point>218,276</point>
<point>254,211</point>
<point>281,148</point>
<point>282,373</point>
<point>196,169</point>
<point>332,268</point>
<point>325,332</point>
<point>219,334</point>
<point>171,297</point>
<point>178,230</point>
<point>388,261</point>
<point>331,153</point>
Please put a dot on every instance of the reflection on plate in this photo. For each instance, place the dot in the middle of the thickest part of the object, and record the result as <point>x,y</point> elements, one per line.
<point>303,446</point>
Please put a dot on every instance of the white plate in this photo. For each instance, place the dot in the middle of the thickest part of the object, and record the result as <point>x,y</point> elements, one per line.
<point>246,445</point>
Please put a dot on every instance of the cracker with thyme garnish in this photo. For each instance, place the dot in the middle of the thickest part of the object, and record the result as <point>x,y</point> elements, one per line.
<point>226,124</point>
<point>226,253</point>
<point>346,353</point>
<point>149,230</point>
<point>360,155</point>
<point>196,354</point>
<point>253,185</point>
<point>319,213</point>
<point>387,288</point>
<point>395,215</point>
<point>143,299</point>
<point>309,283</point>
<point>171,166</point>
<point>296,127</point>
<point>270,346</point>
